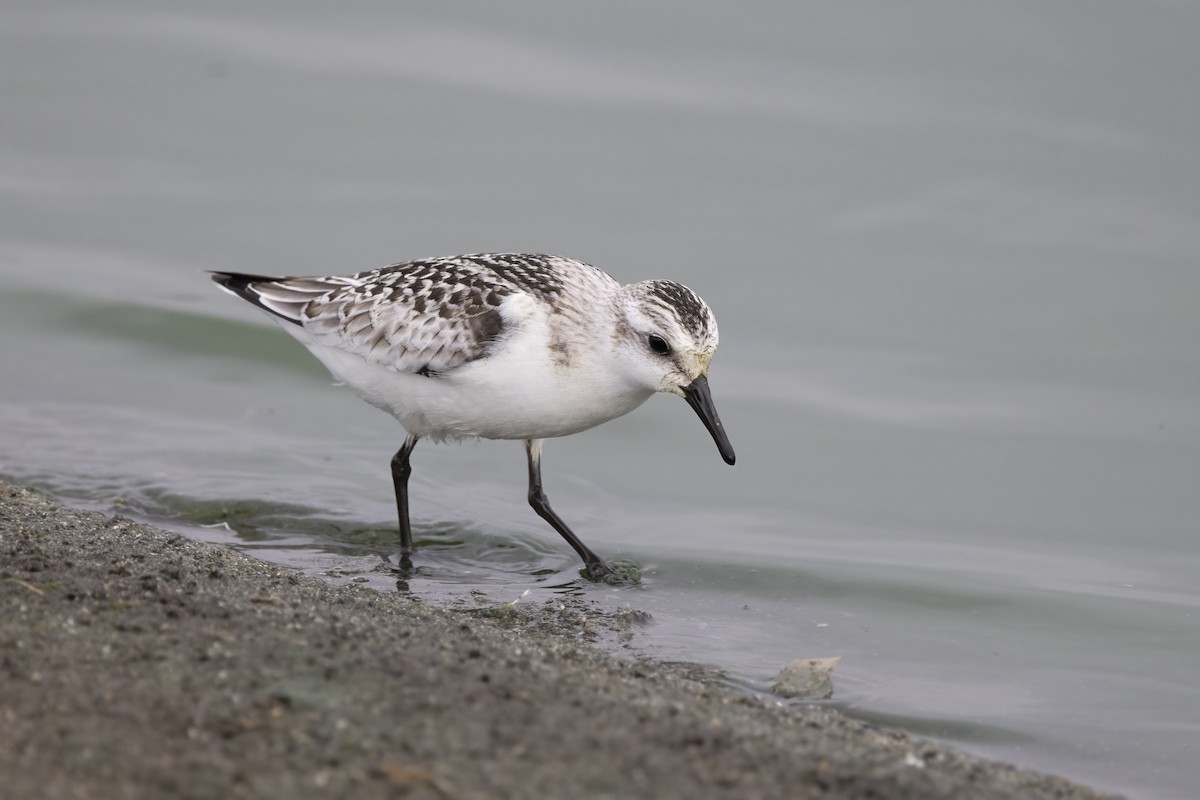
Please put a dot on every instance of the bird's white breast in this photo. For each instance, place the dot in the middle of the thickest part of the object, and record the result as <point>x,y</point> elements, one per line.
<point>547,376</point>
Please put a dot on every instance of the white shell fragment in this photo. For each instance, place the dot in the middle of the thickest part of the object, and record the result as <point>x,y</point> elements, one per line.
<point>807,678</point>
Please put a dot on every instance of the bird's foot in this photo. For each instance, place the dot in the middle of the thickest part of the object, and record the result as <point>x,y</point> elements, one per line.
<point>619,573</point>
<point>596,570</point>
<point>403,566</point>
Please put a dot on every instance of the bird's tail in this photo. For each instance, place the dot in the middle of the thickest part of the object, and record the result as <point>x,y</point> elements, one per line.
<point>283,297</point>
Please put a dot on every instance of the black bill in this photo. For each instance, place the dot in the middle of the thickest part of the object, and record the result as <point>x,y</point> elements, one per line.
<point>700,399</point>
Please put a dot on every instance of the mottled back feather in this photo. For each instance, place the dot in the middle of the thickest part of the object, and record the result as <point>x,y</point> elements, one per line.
<point>427,316</point>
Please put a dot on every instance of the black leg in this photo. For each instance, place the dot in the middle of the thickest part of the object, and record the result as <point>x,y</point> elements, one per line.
<point>541,504</point>
<point>401,469</point>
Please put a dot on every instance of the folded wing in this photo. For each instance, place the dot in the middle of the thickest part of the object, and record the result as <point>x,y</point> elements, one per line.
<point>426,317</point>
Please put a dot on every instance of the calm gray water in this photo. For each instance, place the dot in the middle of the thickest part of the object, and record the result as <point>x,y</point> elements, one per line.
<point>954,252</point>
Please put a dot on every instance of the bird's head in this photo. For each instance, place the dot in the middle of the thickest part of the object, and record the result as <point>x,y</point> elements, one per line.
<point>666,337</point>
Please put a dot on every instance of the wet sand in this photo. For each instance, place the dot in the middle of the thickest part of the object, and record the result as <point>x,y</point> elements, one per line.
<point>135,664</point>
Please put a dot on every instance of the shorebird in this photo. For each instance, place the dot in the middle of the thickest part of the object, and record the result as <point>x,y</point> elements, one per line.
<point>499,346</point>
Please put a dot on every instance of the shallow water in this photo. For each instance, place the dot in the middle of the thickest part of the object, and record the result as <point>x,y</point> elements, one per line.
<point>953,255</point>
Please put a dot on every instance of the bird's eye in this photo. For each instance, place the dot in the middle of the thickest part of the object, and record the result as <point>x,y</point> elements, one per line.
<point>658,344</point>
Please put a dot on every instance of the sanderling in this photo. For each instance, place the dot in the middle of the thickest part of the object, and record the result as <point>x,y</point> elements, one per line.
<point>499,346</point>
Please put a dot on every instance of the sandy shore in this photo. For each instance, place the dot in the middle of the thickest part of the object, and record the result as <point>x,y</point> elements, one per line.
<point>135,663</point>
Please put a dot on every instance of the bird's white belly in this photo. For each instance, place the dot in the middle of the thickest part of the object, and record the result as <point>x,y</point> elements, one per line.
<point>502,396</point>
